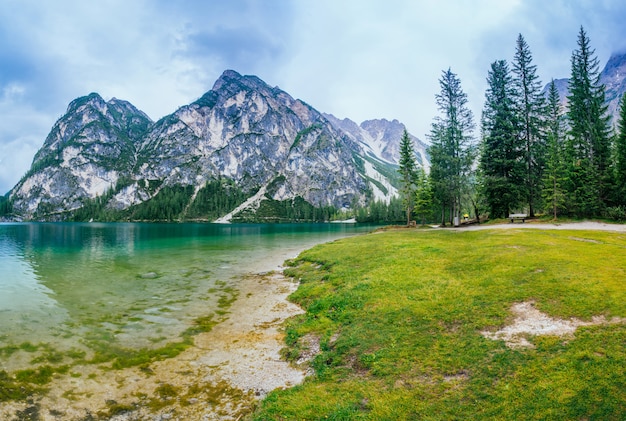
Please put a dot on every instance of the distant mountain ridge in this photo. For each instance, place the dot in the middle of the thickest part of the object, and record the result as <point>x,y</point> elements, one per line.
<point>379,138</point>
<point>243,146</point>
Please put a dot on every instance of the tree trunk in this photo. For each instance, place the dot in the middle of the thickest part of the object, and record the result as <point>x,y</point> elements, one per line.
<point>531,185</point>
<point>443,215</point>
<point>475,206</point>
<point>554,197</point>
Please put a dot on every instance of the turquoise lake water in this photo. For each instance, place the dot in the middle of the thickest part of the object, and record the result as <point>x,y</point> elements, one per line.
<point>132,285</point>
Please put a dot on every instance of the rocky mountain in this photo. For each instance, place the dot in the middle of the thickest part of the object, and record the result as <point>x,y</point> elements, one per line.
<point>85,154</point>
<point>614,78</point>
<point>379,138</point>
<point>244,148</point>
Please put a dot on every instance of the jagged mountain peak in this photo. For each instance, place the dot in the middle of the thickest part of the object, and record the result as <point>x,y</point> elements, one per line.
<point>228,77</point>
<point>616,62</point>
<point>92,100</point>
<point>383,129</point>
<point>249,132</point>
<point>126,107</point>
<point>380,137</point>
<point>236,93</point>
<point>232,82</point>
<point>110,109</point>
<point>87,151</point>
<point>382,122</point>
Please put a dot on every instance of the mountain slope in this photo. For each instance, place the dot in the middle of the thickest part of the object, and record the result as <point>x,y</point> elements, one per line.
<point>241,142</point>
<point>87,152</point>
<point>614,78</point>
<point>251,133</point>
<point>380,138</point>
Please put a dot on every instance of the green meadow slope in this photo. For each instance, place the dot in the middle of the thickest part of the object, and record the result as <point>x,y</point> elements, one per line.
<point>400,318</point>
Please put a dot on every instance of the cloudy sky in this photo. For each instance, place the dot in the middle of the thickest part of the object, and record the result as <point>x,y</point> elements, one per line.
<point>360,59</point>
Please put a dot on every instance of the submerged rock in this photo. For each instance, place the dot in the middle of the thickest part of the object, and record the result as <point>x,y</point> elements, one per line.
<point>149,275</point>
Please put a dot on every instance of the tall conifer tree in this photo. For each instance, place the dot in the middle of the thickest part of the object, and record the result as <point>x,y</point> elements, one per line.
<point>620,156</point>
<point>423,195</point>
<point>589,141</point>
<point>554,170</point>
<point>502,168</point>
<point>530,106</point>
<point>408,175</point>
<point>452,149</point>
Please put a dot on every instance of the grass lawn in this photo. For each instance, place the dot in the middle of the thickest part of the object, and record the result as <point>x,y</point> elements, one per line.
<point>399,316</point>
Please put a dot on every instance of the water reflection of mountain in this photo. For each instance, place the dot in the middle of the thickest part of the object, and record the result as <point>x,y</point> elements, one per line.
<point>132,283</point>
<point>28,309</point>
<point>117,282</point>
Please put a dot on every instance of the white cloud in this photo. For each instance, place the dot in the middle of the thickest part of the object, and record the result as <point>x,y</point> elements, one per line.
<point>363,61</point>
<point>21,134</point>
<point>15,159</point>
<point>12,91</point>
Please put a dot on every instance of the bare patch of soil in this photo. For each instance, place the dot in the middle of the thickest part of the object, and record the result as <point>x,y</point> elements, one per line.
<point>310,348</point>
<point>585,240</point>
<point>531,322</point>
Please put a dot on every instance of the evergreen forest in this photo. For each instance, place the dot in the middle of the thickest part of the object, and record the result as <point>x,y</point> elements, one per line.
<point>535,156</point>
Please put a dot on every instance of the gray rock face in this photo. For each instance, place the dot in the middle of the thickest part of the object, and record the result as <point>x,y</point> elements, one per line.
<point>614,78</point>
<point>242,130</point>
<point>253,134</point>
<point>85,154</point>
<point>380,138</point>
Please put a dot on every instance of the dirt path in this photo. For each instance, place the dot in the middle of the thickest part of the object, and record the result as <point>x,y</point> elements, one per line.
<point>587,225</point>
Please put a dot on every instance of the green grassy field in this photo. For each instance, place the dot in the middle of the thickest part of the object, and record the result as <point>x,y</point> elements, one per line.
<point>399,316</point>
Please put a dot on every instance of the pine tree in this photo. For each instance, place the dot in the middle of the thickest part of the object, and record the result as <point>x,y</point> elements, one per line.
<point>620,156</point>
<point>452,149</point>
<point>530,106</point>
<point>588,147</point>
<point>408,175</point>
<point>501,166</point>
<point>423,195</point>
<point>554,171</point>
<point>5,205</point>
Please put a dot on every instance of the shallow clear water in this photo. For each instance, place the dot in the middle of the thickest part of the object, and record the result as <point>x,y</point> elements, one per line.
<point>132,285</point>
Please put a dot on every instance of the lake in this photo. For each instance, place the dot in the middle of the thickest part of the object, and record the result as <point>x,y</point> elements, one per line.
<point>75,286</point>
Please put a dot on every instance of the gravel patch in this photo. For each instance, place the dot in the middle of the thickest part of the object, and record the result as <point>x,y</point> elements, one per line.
<point>531,322</point>
<point>586,225</point>
<point>245,349</point>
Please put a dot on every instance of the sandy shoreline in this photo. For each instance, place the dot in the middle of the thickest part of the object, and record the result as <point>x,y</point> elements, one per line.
<point>220,378</point>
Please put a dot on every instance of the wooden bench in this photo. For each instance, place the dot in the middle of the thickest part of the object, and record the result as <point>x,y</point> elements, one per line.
<point>518,217</point>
